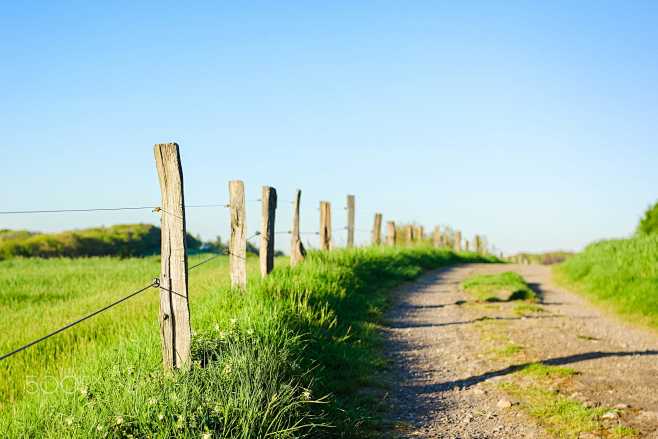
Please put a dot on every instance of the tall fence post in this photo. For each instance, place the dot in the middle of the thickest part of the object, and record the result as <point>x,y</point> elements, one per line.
<point>421,233</point>
<point>458,241</point>
<point>350,221</point>
<point>466,245</point>
<point>238,241</point>
<point>409,234</point>
<point>325,225</point>
<point>377,230</point>
<point>266,251</point>
<point>390,233</point>
<point>297,250</point>
<point>436,236</point>
<point>175,328</point>
<point>477,243</point>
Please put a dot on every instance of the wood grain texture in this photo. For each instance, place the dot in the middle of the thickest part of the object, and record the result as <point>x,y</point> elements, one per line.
<point>350,221</point>
<point>377,230</point>
<point>175,328</point>
<point>238,241</point>
<point>325,225</point>
<point>297,250</point>
<point>266,251</point>
<point>391,234</point>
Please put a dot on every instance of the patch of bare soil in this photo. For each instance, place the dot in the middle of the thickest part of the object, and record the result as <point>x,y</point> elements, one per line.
<point>450,354</point>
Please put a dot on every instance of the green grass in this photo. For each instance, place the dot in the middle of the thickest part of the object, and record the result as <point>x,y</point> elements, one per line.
<point>505,286</point>
<point>534,386</point>
<point>621,274</point>
<point>526,309</point>
<point>508,350</point>
<point>561,416</point>
<point>287,358</point>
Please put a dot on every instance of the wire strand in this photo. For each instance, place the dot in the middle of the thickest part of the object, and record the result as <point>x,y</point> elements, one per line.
<point>155,283</point>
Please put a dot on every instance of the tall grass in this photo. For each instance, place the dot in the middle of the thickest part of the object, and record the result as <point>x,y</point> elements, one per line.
<point>284,359</point>
<point>620,273</point>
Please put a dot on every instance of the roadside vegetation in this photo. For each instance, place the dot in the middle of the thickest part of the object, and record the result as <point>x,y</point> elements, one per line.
<point>621,274</point>
<point>289,357</point>
<point>500,287</point>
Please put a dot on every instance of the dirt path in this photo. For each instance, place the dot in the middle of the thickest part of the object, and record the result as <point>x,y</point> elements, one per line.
<point>450,356</point>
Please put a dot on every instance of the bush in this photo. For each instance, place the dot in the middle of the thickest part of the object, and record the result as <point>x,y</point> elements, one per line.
<point>649,223</point>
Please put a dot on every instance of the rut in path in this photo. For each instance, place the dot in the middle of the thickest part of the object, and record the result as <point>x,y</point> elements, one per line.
<point>444,383</point>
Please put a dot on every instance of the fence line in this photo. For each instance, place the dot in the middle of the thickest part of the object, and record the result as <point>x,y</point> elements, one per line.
<point>175,320</point>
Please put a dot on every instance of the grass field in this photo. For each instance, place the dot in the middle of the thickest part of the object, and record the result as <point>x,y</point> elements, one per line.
<point>621,274</point>
<point>285,359</point>
<point>498,287</point>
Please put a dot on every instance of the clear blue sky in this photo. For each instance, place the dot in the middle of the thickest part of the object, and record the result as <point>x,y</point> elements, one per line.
<point>535,124</point>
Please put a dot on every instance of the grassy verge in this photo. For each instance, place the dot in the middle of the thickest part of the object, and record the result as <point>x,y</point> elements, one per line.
<point>498,287</point>
<point>289,357</point>
<point>621,274</point>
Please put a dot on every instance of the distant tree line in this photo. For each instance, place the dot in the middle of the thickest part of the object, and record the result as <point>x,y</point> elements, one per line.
<point>126,240</point>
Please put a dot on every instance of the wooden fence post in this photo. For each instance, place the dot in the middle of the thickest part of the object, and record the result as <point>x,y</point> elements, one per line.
<point>325,225</point>
<point>421,234</point>
<point>458,241</point>
<point>377,230</point>
<point>238,241</point>
<point>297,250</point>
<point>175,328</point>
<point>390,233</point>
<point>350,221</point>
<point>436,236</point>
<point>478,244</point>
<point>409,234</point>
<point>266,251</point>
<point>466,245</point>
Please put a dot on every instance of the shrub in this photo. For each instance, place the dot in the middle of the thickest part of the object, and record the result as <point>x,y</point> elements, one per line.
<point>649,223</point>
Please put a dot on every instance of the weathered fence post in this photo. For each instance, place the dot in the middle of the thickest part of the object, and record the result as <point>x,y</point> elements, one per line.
<point>238,242</point>
<point>458,241</point>
<point>350,221</point>
<point>390,233</point>
<point>436,236</point>
<point>325,225</point>
<point>175,328</point>
<point>409,234</point>
<point>478,244</point>
<point>266,251</point>
<point>466,245</point>
<point>377,230</point>
<point>297,250</point>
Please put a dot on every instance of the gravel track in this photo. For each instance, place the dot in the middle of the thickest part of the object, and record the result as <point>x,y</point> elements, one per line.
<point>444,378</point>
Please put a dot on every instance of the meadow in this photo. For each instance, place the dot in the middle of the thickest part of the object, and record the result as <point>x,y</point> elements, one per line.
<point>619,274</point>
<point>285,358</point>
